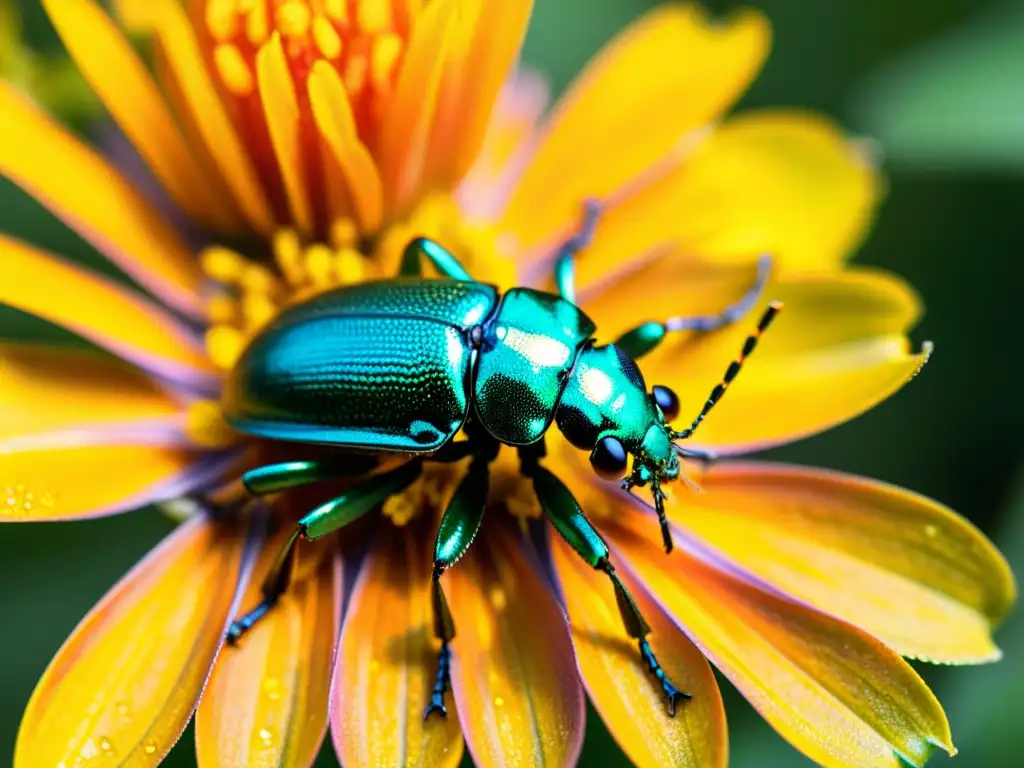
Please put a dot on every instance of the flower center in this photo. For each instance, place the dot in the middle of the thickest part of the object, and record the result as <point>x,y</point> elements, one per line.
<point>364,40</point>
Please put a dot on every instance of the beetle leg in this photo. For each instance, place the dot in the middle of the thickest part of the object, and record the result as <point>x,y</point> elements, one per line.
<point>645,337</point>
<point>274,478</point>
<point>443,260</point>
<point>568,518</point>
<point>323,520</point>
<point>459,527</point>
<point>565,266</point>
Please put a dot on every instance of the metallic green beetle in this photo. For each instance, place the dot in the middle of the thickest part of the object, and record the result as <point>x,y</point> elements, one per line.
<point>403,365</point>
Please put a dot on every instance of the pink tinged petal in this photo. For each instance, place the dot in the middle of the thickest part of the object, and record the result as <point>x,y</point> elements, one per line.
<point>513,668</point>
<point>836,693</point>
<point>91,197</point>
<point>629,701</point>
<point>386,664</point>
<point>103,312</point>
<point>124,686</point>
<point>896,564</point>
<point>266,702</point>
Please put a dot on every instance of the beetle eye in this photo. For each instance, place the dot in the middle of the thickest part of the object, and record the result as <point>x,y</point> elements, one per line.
<point>609,458</point>
<point>667,400</point>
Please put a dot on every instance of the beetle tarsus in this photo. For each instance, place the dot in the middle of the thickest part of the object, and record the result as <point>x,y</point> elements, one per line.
<point>673,695</point>
<point>441,684</point>
<point>241,626</point>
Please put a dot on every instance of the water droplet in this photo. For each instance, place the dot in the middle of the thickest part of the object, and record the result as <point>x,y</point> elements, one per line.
<point>272,687</point>
<point>499,702</point>
<point>107,747</point>
<point>122,709</point>
<point>266,736</point>
<point>498,598</point>
<point>149,748</point>
<point>931,531</point>
<point>89,750</point>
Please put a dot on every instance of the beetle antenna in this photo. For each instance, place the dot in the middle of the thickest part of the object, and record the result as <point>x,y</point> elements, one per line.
<point>734,367</point>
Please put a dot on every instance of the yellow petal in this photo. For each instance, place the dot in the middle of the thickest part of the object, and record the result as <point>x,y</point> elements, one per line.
<point>206,113</point>
<point>266,702</point>
<point>838,349</point>
<point>121,81</point>
<point>671,72</point>
<point>71,482</point>
<point>350,159</point>
<point>787,184</point>
<point>53,389</point>
<point>281,110</point>
<point>124,685</point>
<point>100,311</point>
<point>387,662</point>
<point>901,566</point>
<point>405,130</point>
<point>837,694</point>
<point>627,698</point>
<point>513,668</point>
<point>472,81</point>
<point>92,198</point>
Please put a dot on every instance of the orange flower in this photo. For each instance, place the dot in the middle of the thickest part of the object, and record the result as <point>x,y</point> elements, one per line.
<point>320,136</point>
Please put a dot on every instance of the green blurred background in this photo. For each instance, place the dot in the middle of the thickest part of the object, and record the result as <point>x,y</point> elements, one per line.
<point>940,85</point>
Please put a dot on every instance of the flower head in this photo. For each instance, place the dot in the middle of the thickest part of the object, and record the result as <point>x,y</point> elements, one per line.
<point>311,141</point>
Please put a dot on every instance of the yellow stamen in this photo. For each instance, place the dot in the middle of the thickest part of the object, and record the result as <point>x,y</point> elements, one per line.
<point>258,279</point>
<point>327,40</point>
<point>386,50</point>
<point>344,233</point>
<point>522,503</point>
<point>257,27</point>
<point>350,266</point>
<point>221,19</point>
<point>221,309</point>
<point>336,10</point>
<point>374,16</point>
<point>293,18</point>
<point>355,74</point>
<point>224,344</point>
<point>258,310</point>
<point>244,6</point>
<point>205,425</point>
<point>319,265</point>
<point>221,264</point>
<point>288,255</point>
<point>233,70</point>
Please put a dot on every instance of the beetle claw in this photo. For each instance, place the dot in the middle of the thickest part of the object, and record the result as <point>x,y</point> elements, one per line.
<point>436,705</point>
<point>441,684</point>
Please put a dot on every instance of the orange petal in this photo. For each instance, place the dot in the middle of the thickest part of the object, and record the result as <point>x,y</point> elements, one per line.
<point>513,668</point>
<point>672,71</point>
<point>281,110</point>
<point>57,389</point>
<point>120,79</point>
<point>206,113</point>
<point>405,130</point>
<point>387,662</point>
<point>630,704</point>
<point>124,685</point>
<point>836,693</point>
<point>901,566</point>
<point>787,184</point>
<point>347,156</point>
<point>97,309</point>
<point>44,483</point>
<point>88,195</point>
<point>838,349</point>
<point>473,77</point>
<point>266,702</point>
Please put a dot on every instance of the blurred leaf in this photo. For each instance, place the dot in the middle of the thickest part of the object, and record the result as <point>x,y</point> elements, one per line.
<point>984,704</point>
<point>956,103</point>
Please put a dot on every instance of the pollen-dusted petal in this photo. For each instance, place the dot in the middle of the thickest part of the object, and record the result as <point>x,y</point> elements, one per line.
<point>405,130</point>
<point>471,84</point>
<point>99,310</point>
<point>281,110</point>
<point>206,112</point>
<point>669,73</point>
<point>513,667</point>
<point>49,389</point>
<point>387,661</point>
<point>121,81</point>
<point>85,192</point>
<point>124,685</point>
<point>97,477</point>
<point>626,696</point>
<point>266,702</point>
<point>788,184</point>
<point>347,156</point>
<point>836,693</point>
<point>838,348</point>
<point>899,565</point>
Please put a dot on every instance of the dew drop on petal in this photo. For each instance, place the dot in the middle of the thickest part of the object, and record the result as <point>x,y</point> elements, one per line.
<point>499,701</point>
<point>931,531</point>
<point>267,736</point>
<point>149,748</point>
